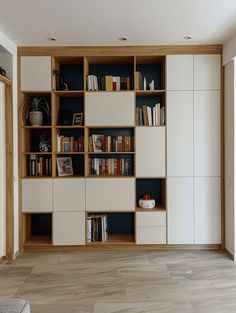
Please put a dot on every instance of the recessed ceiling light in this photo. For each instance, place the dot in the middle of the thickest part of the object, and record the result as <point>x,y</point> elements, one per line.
<point>123,38</point>
<point>52,38</point>
<point>187,37</point>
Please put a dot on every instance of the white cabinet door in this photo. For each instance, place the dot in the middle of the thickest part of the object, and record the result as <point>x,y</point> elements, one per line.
<point>36,73</point>
<point>150,152</point>
<point>151,235</point>
<point>180,210</point>
<point>68,228</point>
<point>179,72</point>
<point>151,219</point>
<point>207,69</point>
<point>110,194</point>
<point>207,133</point>
<point>69,194</point>
<point>207,210</point>
<point>109,108</point>
<point>180,133</point>
<point>37,195</point>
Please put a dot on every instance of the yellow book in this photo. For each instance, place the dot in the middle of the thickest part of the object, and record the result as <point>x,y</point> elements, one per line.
<point>108,83</point>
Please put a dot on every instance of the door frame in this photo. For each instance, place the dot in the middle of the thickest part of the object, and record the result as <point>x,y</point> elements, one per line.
<point>9,168</point>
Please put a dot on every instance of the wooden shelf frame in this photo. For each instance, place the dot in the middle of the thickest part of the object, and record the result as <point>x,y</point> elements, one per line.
<point>92,54</point>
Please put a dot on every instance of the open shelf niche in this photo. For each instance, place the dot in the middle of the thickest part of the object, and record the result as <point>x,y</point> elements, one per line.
<point>109,73</point>
<point>156,187</point>
<point>67,74</point>
<point>110,228</point>
<point>38,228</point>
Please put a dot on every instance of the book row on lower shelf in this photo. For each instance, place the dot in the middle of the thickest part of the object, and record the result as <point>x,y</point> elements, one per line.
<point>39,165</point>
<point>150,116</point>
<point>70,144</point>
<point>110,166</point>
<point>103,143</point>
<point>97,228</point>
<point>108,83</point>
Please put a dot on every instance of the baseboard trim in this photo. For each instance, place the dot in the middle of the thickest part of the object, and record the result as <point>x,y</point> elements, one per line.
<point>230,255</point>
<point>51,248</point>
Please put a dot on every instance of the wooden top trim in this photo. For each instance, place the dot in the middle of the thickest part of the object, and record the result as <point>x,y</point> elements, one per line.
<point>117,50</point>
<point>5,80</point>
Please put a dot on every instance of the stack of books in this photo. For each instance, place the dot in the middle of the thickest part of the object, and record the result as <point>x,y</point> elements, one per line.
<point>39,165</point>
<point>70,144</point>
<point>97,228</point>
<point>150,116</point>
<point>108,83</point>
<point>103,143</point>
<point>110,166</point>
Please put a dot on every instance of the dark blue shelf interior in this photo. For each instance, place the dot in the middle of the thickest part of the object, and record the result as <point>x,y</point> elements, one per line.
<point>149,100</point>
<point>120,223</point>
<point>151,72</point>
<point>41,224</point>
<point>122,70</point>
<point>73,75</point>
<point>40,135</point>
<point>69,106</point>
<point>152,187</point>
<point>77,163</point>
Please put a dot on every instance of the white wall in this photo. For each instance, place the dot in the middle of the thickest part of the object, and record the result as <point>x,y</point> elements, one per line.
<point>8,45</point>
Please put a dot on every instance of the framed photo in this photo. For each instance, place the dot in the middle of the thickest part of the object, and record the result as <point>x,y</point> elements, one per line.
<point>97,142</point>
<point>78,119</point>
<point>64,166</point>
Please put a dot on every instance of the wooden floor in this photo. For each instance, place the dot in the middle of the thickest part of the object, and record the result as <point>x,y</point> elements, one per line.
<point>122,281</point>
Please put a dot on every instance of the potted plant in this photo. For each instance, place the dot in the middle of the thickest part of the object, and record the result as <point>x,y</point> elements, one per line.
<point>35,110</point>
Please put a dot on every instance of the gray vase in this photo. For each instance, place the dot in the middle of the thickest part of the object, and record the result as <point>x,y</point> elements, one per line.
<point>36,118</point>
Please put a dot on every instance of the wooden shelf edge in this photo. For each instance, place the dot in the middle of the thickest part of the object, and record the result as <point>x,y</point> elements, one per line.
<point>156,209</point>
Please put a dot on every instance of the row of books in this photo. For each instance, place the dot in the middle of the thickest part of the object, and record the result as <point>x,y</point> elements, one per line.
<point>110,166</point>
<point>108,83</point>
<point>104,143</point>
<point>39,165</point>
<point>150,116</point>
<point>70,144</point>
<point>97,228</point>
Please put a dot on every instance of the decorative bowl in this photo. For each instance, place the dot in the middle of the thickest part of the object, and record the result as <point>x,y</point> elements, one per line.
<point>147,204</point>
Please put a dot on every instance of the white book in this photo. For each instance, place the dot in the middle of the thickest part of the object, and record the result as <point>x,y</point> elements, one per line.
<point>149,112</point>
<point>158,108</point>
<point>163,116</point>
<point>89,229</point>
<point>118,83</point>
<point>95,82</point>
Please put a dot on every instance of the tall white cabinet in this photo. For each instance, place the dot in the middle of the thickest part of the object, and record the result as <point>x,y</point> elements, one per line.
<point>193,149</point>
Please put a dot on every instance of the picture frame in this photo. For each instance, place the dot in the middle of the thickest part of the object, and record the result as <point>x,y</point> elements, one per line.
<point>77,119</point>
<point>97,142</point>
<point>64,166</point>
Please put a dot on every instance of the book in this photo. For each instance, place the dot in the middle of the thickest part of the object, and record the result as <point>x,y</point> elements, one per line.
<point>108,83</point>
<point>110,166</point>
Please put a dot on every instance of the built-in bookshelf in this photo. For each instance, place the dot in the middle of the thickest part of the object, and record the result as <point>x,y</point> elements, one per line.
<point>94,150</point>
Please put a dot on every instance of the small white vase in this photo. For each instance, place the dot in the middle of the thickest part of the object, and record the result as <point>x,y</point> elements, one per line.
<point>36,118</point>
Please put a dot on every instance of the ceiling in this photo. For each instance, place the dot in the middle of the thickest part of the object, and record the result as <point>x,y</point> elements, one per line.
<point>102,22</point>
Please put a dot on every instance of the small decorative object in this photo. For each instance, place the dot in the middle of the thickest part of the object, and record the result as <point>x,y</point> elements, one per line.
<point>35,111</point>
<point>144,84</point>
<point>78,119</point>
<point>64,166</point>
<point>58,81</point>
<point>151,85</point>
<point>97,142</point>
<point>147,202</point>
<point>44,143</point>
<point>2,71</point>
